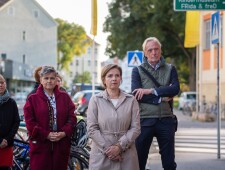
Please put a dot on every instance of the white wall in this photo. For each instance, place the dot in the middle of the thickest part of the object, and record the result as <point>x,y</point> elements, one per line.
<point>40,43</point>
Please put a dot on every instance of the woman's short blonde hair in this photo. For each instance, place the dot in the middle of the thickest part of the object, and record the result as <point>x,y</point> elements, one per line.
<point>106,69</point>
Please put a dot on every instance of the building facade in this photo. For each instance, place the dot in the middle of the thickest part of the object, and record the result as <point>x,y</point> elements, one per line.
<point>207,62</point>
<point>83,63</point>
<point>28,36</point>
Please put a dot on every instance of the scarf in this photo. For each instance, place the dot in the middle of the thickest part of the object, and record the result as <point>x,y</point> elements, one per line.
<point>51,118</point>
<point>5,97</point>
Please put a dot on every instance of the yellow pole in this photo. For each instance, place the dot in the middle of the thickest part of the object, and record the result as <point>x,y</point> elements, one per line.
<point>94,21</point>
<point>94,17</point>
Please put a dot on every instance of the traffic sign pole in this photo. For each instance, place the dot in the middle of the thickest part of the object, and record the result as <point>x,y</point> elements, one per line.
<point>218,102</point>
<point>198,5</point>
<point>215,36</point>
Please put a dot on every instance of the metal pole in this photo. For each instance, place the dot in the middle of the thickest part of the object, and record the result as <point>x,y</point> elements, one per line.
<point>218,102</point>
<point>197,80</point>
<point>93,65</point>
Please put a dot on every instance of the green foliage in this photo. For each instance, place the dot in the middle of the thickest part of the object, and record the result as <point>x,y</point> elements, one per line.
<point>130,22</point>
<point>72,40</point>
<point>175,102</point>
<point>83,78</point>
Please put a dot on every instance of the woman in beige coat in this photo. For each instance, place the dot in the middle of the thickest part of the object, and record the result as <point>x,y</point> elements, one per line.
<point>113,125</point>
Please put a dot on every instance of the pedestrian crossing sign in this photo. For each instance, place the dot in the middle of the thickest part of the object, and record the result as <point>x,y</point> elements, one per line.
<point>215,31</point>
<point>135,58</point>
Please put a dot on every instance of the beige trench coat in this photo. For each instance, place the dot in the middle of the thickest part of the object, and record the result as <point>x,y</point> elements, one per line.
<point>108,125</point>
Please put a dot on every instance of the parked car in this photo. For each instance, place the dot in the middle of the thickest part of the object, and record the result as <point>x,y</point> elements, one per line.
<point>81,101</point>
<point>83,86</point>
<point>186,97</point>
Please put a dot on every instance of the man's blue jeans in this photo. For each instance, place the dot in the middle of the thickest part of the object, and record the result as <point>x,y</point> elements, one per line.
<point>164,131</point>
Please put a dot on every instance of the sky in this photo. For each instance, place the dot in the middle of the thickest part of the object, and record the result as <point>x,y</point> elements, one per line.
<point>79,12</point>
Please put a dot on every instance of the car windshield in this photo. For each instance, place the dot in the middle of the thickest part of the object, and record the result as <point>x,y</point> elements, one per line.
<point>191,96</point>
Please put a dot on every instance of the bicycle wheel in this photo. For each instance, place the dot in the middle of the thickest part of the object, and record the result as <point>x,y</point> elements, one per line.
<point>77,162</point>
<point>20,165</point>
<point>186,110</point>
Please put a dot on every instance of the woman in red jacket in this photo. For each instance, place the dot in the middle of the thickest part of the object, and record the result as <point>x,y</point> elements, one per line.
<point>50,120</point>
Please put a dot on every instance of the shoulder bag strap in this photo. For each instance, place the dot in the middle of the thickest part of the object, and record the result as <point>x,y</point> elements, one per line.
<point>150,76</point>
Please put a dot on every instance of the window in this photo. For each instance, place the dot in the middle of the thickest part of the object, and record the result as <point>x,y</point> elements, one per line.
<point>24,59</point>
<point>24,35</point>
<point>3,56</point>
<point>96,63</point>
<point>11,11</point>
<point>89,50</point>
<point>207,41</point>
<point>89,62</point>
<point>95,74</point>
<point>36,13</point>
<point>191,96</point>
<point>77,63</point>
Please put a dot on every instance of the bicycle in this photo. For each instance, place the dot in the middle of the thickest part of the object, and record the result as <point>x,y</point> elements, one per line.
<point>21,160</point>
<point>79,155</point>
<point>189,107</point>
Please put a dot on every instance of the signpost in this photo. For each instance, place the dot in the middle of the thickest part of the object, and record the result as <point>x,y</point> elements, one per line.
<point>200,5</point>
<point>184,5</point>
<point>215,36</point>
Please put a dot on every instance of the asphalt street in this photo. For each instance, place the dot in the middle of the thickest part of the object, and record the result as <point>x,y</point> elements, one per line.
<point>191,160</point>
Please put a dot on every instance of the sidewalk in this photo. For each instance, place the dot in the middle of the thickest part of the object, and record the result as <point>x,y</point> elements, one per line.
<point>191,161</point>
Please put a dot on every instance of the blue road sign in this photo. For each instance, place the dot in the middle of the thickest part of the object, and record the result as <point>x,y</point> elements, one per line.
<point>215,31</point>
<point>135,58</point>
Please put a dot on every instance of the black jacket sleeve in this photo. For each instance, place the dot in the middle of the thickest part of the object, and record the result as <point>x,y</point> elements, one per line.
<point>136,84</point>
<point>15,124</point>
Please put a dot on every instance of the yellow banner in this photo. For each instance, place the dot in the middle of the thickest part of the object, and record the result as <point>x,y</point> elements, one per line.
<point>94,17</point>
<point>192,29</point>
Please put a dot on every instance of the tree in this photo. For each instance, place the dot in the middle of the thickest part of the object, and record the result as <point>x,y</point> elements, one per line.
<point>85,77</point>
<point>72,40</point>
<point>131,21</point>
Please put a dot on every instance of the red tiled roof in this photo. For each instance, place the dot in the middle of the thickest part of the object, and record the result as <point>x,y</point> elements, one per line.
<point>2,2</point>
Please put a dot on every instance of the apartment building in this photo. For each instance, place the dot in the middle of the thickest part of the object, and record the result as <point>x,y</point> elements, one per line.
<point>83,63</point>
<point>207,61</point>
<point>28,36</point>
